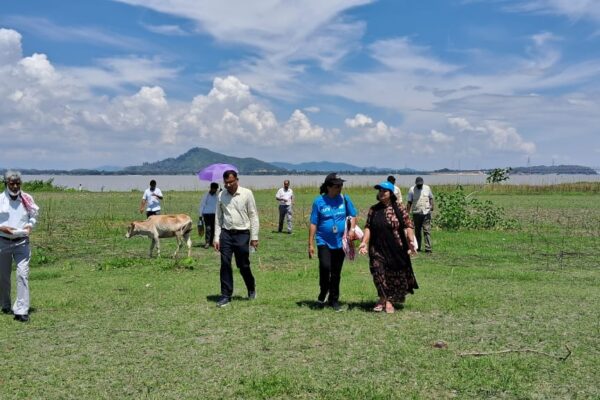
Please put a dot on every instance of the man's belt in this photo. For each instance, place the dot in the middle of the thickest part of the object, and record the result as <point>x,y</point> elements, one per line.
<point>237,231</point>
<point>13,240</point>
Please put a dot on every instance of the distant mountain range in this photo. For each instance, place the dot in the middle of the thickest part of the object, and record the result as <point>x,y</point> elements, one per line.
<point>197,158</point>
<point>326,166</point>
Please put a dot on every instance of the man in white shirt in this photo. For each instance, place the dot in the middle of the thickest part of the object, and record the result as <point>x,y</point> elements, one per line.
<point>285,197</point>
<point>18,216</point>
<point>420,202</point>
<point>236,230</point>
<point>208,207</point>
<point>397,192</point>
<point>151,200</point>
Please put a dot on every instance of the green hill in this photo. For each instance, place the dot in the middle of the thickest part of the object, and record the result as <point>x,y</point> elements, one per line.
<point>196,159</point>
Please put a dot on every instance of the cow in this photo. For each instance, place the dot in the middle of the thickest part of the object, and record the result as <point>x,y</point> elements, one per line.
<point>164,226</point>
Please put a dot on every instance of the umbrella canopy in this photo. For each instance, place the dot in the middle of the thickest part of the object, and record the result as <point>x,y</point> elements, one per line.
<point>214,172</point>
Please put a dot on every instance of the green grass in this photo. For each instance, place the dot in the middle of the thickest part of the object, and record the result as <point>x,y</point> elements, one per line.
<point>109,322</point>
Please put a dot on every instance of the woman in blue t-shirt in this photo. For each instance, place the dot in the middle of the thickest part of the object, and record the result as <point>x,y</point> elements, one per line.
<point>327,223</point>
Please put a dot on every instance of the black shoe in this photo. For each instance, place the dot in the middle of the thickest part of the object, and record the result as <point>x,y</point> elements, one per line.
<point>320,304</point>
<point>252,295</point>
<point>223,301</point>
<point>336,306</point>
<point>22,318</point>
<point>7,311</point>
<point>428,251</point>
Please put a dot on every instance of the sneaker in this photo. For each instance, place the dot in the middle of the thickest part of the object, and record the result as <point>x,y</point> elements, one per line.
<point>320,304</point>
<point>252,295</point>
<point>223,301</point>
<point>7,311</point>
<point>336,306</point>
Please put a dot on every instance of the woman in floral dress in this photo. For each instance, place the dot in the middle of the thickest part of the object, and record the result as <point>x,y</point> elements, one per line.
<point>389,242</point>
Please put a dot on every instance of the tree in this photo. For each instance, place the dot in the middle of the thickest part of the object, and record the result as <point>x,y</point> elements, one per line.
<point>498,175</point>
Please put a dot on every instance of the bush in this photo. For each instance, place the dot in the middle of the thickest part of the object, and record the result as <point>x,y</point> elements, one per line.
<point>460,211</point>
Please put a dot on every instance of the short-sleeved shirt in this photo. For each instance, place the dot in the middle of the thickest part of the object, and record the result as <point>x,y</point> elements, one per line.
<point>420,199</point>
<point>327,213</point>
<point>152,202</point>
<point>286,195</point>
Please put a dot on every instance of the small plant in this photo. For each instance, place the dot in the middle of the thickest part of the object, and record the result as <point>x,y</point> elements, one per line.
<point>40,256</point>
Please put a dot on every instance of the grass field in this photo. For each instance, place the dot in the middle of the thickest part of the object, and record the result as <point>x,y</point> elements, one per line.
<point>109,322</point>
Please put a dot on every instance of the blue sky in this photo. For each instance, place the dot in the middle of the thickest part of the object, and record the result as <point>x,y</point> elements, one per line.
<point>389,83</point>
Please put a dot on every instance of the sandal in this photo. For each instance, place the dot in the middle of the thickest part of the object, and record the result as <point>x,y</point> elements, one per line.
<point>378,307</point>
<point>389,308</point>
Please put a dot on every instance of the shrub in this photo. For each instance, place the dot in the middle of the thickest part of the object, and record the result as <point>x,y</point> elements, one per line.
<point>460,211</point>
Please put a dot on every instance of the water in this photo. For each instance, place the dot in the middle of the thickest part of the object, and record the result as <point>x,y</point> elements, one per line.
<point>120,183</point>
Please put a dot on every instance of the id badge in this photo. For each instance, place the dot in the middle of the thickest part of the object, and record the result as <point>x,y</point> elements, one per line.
<point>334,229</point>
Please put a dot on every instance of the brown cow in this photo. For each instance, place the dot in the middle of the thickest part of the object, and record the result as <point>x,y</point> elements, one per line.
<point>163,226</point>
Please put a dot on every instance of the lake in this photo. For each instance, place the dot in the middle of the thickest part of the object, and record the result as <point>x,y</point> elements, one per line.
<point>120,183</point>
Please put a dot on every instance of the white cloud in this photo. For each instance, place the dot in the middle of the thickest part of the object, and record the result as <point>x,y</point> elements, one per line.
<point>169,30</point>
<point>312,109</point>
<point>573,9</point>
<point>359,120</point>
<point>401,54</point>
<point>497,134</point>
<point>89,35</point>
<point>10,46</point>
<point>440,137</point>
<point>115,73</point>
<point>52,112</point>
<point>290,35</point>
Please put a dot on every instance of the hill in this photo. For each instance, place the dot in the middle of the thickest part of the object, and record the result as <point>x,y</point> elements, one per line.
<point>197,158</point>
<point>558,169</point>
<point>326,166</point>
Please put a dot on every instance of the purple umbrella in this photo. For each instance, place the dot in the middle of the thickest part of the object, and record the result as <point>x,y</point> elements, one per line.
<point>214,172</point>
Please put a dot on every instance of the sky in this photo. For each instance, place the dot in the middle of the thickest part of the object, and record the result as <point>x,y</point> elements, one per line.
<point>427,84</point>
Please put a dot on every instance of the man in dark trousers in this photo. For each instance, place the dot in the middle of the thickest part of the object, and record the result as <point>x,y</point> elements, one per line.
<point>236,230</point>
<point>420,202</point>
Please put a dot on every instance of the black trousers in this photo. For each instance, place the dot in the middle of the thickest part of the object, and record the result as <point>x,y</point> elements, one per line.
<point>209,228</point>
<point>330,271</point>
<point>151,213</point>
<point>235,243</point>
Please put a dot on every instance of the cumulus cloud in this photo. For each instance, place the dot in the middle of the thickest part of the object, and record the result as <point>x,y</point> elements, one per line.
<point>497,134</point>
<point>10,46</point>
<point>359,120</point>
<point>55,114</point>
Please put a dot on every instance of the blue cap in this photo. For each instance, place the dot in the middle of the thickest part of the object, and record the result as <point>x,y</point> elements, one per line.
<point>386,186</point>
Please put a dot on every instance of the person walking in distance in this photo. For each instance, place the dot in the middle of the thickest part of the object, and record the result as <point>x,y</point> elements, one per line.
<point>18,216</point>
<point>236,230</point>
<point>285,196</point>
<point>420,202</point>
<point>208,207</point>
<point>151,200</point>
